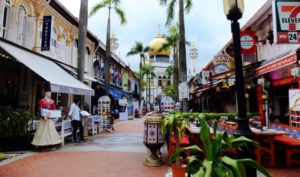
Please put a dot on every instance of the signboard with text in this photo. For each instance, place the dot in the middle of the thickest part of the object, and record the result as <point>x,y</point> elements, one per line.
<point>286,21</point>
<point>46,33</point>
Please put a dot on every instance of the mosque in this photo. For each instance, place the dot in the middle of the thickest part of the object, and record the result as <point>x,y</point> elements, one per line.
<point>160,60</point>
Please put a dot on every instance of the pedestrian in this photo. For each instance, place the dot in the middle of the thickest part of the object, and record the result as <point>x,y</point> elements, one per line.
<point>46,134</point>
<point>74,114</point>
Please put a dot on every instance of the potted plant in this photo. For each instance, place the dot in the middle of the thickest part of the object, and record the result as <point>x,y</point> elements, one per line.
<point>215,163</point>
<point>174,124</point>
<point>14,133</point>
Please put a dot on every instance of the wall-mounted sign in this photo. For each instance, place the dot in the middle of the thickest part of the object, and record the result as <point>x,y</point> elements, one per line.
<point>248,42</point>
<point>183,89</point>
<point>205,76</point>
<point>286,21</point>
<point>46,33</point>
<point>222,63</point>
<point>280,63</point>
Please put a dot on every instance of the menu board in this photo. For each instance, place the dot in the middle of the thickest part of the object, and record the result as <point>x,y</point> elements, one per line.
<point>294,107</point>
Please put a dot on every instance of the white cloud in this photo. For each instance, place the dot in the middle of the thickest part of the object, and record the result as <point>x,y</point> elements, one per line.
<point>206,25</point>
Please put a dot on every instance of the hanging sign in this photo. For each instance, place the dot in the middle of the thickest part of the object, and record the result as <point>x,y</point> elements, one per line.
<point>248,41</point>
<point>46,33</point>
<point>286,21</point>
<point>222,63</point>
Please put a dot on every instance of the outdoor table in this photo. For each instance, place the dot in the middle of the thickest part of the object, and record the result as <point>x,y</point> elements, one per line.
<point>291,146</point>
<point>266,140</point>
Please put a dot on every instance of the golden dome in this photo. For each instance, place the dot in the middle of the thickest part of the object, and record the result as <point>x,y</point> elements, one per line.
<point>156,44</point>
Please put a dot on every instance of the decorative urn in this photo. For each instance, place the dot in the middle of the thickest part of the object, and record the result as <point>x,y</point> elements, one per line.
<point>153,138</point>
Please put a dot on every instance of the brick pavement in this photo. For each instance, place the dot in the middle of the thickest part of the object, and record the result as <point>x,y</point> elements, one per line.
<point>119,153</point>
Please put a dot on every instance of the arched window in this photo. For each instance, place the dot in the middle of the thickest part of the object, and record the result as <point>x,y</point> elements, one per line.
<point>64,47</point>
<point>87,54</point>
<point>75,53</point>
<point>164,81</point>
<point>23,19</point>
<point>6,13</point>
<point>54,37</point>
<point>159,81</point>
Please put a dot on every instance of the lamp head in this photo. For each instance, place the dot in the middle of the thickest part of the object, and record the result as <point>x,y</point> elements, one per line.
<point>233,9</point>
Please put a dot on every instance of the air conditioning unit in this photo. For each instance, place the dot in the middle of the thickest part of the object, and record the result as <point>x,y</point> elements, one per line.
<point>295,71</point>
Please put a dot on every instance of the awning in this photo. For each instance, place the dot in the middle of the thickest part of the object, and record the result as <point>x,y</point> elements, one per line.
<point>60,80</point>
<point>285,59</point>
<point>115,93</point>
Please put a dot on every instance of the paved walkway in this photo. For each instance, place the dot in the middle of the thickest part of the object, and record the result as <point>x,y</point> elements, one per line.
<point>110,154</point>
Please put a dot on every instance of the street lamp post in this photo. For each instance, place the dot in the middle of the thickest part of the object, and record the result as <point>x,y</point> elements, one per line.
<point>234,10</point>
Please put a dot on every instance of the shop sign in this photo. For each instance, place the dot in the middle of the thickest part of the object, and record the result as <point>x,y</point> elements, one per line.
<point>248,45</point>
<point>183,89</point>
<point>286,21</point>
<point>277,64</point>
<point>221,63</point>
<point>205,76</point>
<point>285,81</point>
<point>46,33</point>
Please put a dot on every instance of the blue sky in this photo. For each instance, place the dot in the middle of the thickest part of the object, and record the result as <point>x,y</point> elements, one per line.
<point>206,26</point>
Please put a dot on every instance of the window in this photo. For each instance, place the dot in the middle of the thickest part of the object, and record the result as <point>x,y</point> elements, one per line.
<point>64,48</point>
<point>87,54</point>
<point>159,81</point>
<point>54,36</point>
<point>6,13</point>
<point>23,20</point>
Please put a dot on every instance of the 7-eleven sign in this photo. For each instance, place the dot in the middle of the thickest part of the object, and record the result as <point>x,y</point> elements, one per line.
<point>286,20</point>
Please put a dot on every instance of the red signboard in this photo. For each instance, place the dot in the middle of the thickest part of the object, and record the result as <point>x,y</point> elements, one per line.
<point>284,81</point>
<point>248,42</point>
<point>277,64</point>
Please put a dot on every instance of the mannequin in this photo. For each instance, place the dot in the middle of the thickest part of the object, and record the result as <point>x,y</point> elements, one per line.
<point>46,133</point>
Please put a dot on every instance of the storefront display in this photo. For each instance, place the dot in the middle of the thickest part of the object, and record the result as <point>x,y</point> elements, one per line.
<point>294,107</point>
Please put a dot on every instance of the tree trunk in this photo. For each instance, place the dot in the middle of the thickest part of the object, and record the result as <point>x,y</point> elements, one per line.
<point>146,101</point>
<point>175,74</point>
<point>107,55</point>
<point>140,76</point>
<point>83,22</point>
<point>149,91</point>
<point>182,52</point>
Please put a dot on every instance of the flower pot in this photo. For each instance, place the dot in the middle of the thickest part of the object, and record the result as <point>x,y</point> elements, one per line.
<point>178,171</point>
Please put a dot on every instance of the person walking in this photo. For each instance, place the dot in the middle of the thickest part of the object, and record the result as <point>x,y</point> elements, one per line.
<point>74,114</point>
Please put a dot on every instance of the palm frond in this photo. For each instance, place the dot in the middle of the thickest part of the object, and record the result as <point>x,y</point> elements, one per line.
<point>132,52</point>
<point>96,8</point>
<point>121,15</point>
<point>116,2</point>
<point>170,12</point>
<point>163,2</point>
<point>188,5</point>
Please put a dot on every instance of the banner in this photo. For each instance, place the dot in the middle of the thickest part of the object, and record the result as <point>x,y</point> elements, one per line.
<point>286,22</point>
<point>46,33</point>
<point>50,113</point>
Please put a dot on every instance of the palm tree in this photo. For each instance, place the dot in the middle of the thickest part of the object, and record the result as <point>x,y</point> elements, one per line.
<point>110,4</point>
<point>169,71</point>
<point>141,50</point>
<point>172,42</point>
<point>184,5</point>
<point>148,70</point>
<point>83,22</point>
